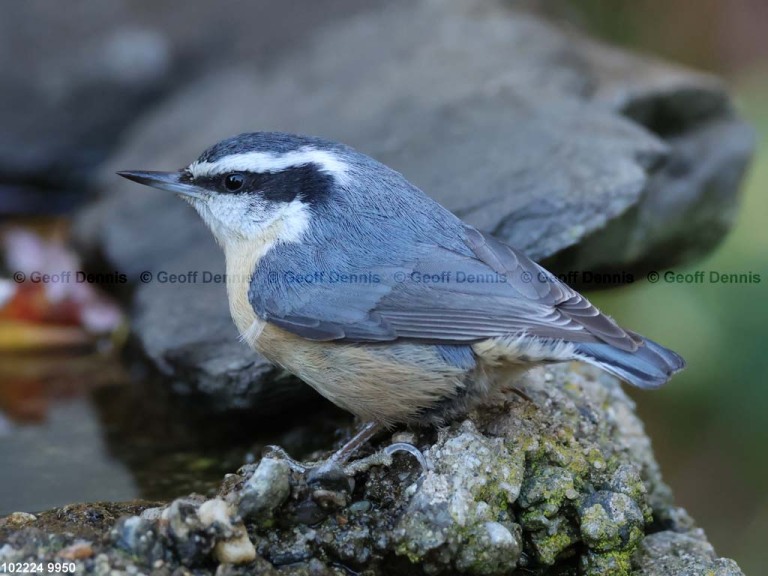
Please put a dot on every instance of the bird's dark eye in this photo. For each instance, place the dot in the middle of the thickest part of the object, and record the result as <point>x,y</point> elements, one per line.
<point>233,182</point>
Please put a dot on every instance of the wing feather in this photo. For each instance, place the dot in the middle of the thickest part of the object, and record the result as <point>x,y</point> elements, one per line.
<point>526,299</point>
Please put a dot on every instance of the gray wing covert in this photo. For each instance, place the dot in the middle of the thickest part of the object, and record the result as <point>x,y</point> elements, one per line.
<point>511,294</point>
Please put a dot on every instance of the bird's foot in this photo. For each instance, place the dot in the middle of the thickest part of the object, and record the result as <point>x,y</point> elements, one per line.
<point>335,472</point>
<point>279,453</point>
<point>384,458</point>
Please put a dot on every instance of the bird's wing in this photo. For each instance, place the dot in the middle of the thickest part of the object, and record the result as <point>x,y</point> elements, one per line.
<point>437,295</point>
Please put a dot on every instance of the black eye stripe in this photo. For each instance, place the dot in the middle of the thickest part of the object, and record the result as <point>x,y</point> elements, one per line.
<point>305,180</point>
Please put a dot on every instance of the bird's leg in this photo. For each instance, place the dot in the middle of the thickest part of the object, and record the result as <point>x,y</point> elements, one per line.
<point>519,392</point>
<point>367,432</point>
<point>333,467</point>
<point>338,465</point>
<point>381,458</point>
<point>364,434</point>
<point>339,460</point>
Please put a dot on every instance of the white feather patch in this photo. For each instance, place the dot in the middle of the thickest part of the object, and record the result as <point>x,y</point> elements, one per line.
<point>294,221</point>
<point>522,348</point>
<point>327,162</point>
<point>251,335</point>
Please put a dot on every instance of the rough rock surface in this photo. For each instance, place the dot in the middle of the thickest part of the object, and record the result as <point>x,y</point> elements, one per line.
<point>546,138</point>
<point>111,61</point>
<point>564,483</point>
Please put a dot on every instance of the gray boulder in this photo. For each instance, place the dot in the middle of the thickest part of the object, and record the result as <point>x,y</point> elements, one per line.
<point>82,75</point>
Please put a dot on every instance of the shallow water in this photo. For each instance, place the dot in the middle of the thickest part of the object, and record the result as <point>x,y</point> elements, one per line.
<point>59,461</point>
<point>76,428</point>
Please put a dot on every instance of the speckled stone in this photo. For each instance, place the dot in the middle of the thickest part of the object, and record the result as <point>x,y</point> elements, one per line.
<point>265,490</point>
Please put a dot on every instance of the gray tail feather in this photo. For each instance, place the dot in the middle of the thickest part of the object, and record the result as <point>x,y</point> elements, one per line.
<point>650,366</point>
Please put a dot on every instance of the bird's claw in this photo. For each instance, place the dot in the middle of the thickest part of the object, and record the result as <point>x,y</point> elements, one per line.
<point>412,450</point>
<point>384,458</point>
<point>279,453</point>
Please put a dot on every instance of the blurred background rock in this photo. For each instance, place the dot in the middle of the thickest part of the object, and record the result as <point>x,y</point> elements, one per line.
<point>75,81</point>
<point>708,428</point>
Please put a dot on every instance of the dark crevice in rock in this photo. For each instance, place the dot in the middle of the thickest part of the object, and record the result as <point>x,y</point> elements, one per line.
<point>678,112</point>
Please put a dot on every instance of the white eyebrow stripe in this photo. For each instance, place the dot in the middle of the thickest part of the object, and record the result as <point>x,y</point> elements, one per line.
<point>270,162</point>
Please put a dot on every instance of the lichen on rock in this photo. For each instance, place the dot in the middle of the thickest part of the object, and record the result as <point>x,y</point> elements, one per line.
<point>458,517</point>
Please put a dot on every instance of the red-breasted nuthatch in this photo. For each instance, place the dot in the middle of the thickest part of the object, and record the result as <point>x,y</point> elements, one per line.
<point>345,274</point>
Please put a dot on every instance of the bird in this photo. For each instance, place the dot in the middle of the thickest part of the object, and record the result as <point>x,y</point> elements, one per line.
<point>345,274</point>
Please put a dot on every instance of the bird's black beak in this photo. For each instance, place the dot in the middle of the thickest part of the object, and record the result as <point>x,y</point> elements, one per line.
<point>171,181</point>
